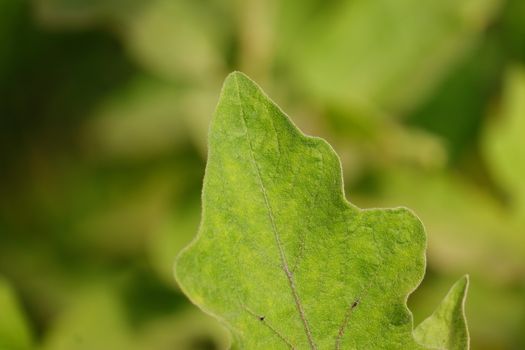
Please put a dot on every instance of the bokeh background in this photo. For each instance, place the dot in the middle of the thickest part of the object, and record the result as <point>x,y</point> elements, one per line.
<point>104,110</point>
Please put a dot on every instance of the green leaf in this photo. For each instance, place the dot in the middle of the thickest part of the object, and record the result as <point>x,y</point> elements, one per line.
<point>281,257</point>
<point>487,301</point>
<point>447,327</point>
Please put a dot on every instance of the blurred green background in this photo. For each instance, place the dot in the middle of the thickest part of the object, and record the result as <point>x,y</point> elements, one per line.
<point>104,109</point>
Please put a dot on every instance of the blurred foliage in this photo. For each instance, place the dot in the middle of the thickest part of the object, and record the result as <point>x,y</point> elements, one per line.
<point>505,142</point>
<point>14,331</point>
<point>104,109</point>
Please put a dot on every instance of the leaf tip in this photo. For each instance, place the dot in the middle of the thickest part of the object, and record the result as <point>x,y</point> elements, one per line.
<point>237,76</point>
<point>447,327</point>
<point>461,287</point>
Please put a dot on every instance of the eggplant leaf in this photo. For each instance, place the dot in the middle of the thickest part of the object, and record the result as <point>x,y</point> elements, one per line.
<point>281,257</point>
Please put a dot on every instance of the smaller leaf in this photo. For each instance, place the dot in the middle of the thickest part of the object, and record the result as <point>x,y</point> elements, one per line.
<point>446,328</point>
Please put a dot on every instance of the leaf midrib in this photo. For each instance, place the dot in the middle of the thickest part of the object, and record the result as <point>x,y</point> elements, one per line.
<point>282,255</point>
